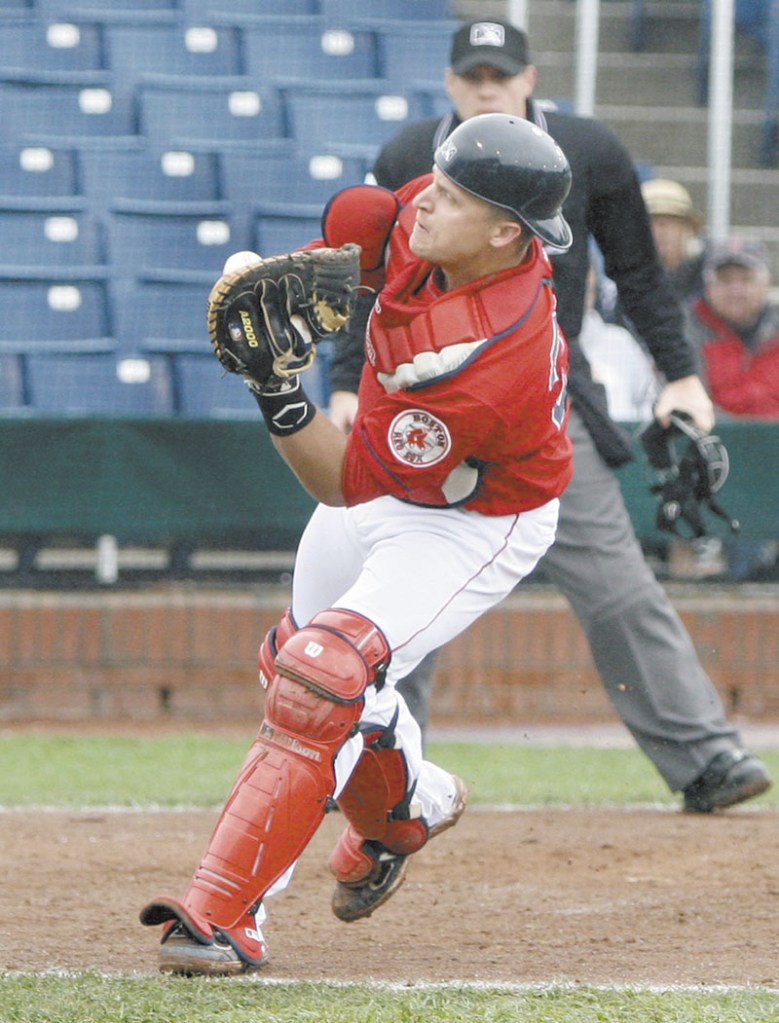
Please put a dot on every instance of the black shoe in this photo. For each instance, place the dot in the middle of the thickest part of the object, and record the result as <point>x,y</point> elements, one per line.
<point>358,900</point>
<point>731,777</point>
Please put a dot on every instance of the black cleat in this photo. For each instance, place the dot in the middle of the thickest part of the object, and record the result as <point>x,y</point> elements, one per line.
<point>731,777</point>
<point>358,900</point>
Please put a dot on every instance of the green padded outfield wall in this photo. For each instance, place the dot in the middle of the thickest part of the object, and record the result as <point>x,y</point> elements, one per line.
<point>222,482</point>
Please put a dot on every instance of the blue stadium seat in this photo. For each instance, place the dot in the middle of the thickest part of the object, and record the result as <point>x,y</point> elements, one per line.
<point>52,243</point>
<point>55,316</point>
<point>204,390</point>
<point>29,173</point>
<point>211,114</point>
<point>174,247</point>
<point>278,231</point>
<point>108,176</point>
<point>139,50</point>
<point>49,113</point>
<point>162,318</point>
<point>282,48</point>
<point>38,45</point>
<point>101,7</point>
<point>11,384</point>
<point>261,176</point>
<point>224,11</point>
<point>349,12</point>
<point>99,384</point>
<point>433,97</point>
<point>408,52</point>
<point>368,114</point>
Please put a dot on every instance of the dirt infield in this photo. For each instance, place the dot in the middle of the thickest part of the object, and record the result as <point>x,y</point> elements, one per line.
<point>624,896</point>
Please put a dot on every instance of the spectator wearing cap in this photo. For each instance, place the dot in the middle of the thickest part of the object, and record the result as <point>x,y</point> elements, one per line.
<point>676,228</point>
<point>735,327</point>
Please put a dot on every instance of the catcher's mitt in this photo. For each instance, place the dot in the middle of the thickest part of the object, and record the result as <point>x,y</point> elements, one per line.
<point>265,318</point>
<point>686,481</point>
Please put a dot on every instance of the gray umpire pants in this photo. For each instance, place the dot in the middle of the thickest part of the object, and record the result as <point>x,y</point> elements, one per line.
<point>640,647</point>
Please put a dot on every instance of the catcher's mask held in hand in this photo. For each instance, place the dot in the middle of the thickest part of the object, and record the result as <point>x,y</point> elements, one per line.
<point>690,468</point>
<point>265,318</point>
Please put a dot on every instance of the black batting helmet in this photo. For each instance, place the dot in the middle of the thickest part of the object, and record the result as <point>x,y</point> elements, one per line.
<point>514,164</point>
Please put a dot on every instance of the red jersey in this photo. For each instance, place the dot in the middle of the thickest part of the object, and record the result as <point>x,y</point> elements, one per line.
<point>463,395</point>
<point>742,381</point>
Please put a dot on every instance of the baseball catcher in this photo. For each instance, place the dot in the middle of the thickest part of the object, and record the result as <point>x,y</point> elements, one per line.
<point>687,479</point>
<point>266,316</point>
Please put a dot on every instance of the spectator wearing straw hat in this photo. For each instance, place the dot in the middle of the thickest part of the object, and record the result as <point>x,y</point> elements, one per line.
<point>676,228</point>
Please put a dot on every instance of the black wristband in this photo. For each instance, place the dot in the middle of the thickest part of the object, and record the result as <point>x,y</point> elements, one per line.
<point>285,411</point>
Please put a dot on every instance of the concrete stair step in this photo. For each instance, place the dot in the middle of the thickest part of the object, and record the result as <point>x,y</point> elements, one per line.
<point>669,27</point>
<point>752,195</point>
<point>645,79</point>
<point>678,136</point>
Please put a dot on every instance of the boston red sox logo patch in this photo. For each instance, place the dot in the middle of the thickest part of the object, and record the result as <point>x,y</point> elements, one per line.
<point>418,438</point>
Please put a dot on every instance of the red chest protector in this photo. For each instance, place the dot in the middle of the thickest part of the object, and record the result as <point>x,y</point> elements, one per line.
<point>417,333</point>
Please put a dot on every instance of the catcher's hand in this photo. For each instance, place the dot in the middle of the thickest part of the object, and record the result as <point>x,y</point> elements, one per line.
<point>265,318</point>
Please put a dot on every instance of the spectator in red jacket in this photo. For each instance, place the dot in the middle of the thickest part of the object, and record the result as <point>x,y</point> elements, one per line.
<point>735,327</point>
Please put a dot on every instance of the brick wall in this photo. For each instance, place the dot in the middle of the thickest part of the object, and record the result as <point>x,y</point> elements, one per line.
<point>184,655</point>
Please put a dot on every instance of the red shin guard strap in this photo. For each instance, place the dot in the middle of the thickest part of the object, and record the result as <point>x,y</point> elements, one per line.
<point>273,642</point>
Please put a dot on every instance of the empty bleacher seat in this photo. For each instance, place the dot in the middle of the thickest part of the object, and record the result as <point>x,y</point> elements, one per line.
<point>54,316</point>
<point>109,176</point>
<point>283,47</point>
<point>38,45</point>
<point>98,384</point>
<point>100,7</point>
<point>212,114</point>
<point>50,243</point>
<point>162,318</point>
<point>30,173</point>
<point>346,12</point>
<point>204,389</point>
<point>222,11</point>
<point>409,52</point>
<point>174,247</point>
<point>367,114</point>
<point>138,50</point>
<point>263,176</point>
<point>11,384</point>
<point>434,98</point>
<point>276,231</point>
<point>49,113</point>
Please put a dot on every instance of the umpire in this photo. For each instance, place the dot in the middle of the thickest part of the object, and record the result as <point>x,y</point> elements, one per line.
<point>640,647</point>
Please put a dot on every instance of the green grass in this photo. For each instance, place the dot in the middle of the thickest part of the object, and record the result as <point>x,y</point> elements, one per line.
<point>50,999</point>
<point>197,769</point>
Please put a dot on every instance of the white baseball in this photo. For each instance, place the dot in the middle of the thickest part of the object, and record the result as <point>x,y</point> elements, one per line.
<point>239,260</point>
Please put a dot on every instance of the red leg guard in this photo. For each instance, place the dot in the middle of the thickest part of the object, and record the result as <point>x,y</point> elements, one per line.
<point>377,805</point>
<point>313,705</point>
